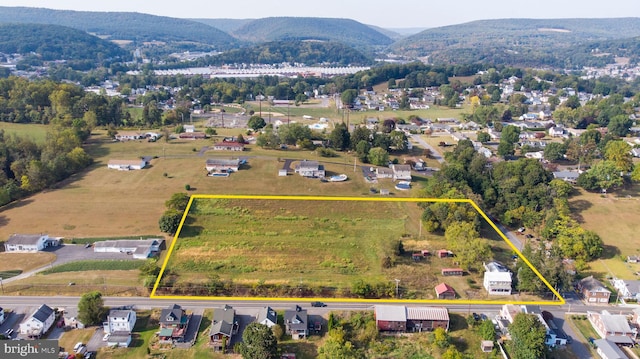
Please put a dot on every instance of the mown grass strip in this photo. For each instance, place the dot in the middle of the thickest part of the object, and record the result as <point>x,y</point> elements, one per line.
<point>93,265</point>
<point>9,273</point>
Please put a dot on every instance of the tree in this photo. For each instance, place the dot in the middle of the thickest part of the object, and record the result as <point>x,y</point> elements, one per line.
<point>398,140</point>
<point>362,150</point>
<point>620,153</point>
<point>441,338</point>
<point>91,309</point>
<point>527,337</point>
<point>360,133</point>
<point>484,137</point>
<point>605,174</point>
<point>486,330</point>
<point>336,346</point>
<point>170,221</point>
<point>339,137</point>
<point>554,151</point>
<point>178,201</point>
<point>463,240</point>
<point>378,156</point>
<point>619,125</point>
<point>348,97</point>
<point>256,122</point>
<point>258,342</point>
<point>635,175</point>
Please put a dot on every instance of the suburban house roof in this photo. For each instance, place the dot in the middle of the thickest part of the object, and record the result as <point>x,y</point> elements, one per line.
<point>593,285</point>
<point>443,288</point>
<point>391,313</point>
<point>296,319</point>
<point>304,164</point>
<point>135,162</point>
<point>267,313</point>
<point>616,323</point>
<point>223,162</point>
<point>223,319</point>
<point>229,144</point>
<point>172,315</point>
<point>401,168</point>
<point>42,313</point>
<point>498,276</point>
<point>609,349</point>
<point>24,239</point>
<point>427,313</point>
<point>120,313</point>
<point>135,245</point>
<point>495,267</point>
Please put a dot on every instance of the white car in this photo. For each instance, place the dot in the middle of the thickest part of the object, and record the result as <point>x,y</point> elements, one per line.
<point>77,346</point>
<point>106,337</point>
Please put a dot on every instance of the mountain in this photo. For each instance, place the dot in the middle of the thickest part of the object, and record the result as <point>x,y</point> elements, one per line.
<point>527,42</point>
<point>347,31</point>
<point>54,42</point>
<point>307,52</point>
<point>226,25</point>
<point>122,25</point>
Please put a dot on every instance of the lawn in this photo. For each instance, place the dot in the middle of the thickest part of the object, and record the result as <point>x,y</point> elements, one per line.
<point>291,248</point>
<point>25,261</point>
<point>110,282</point>
<point>582,324</point>
<point>71,337</point>
<point>35,132</point>
<point>598,213</point>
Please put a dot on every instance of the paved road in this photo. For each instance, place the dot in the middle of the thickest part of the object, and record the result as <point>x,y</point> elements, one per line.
<point>434,153</point>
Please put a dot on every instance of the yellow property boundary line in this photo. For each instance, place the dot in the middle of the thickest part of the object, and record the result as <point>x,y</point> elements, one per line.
<point>560,300</point>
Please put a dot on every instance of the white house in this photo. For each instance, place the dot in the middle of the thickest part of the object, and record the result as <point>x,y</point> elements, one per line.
<point>222,165</point>
<point>126,165</point>
<point>267,316</point>
<point>119,325</point>
<point>129,136</point>
<point>29,242</point>
<point>628,289</point>
<point>310,169</point>
<point>39,322</point>
<point>497,279</point>
<point>139,248</point>
<point>401,172</point>
<point>556,131</point>
<point>189,128</point>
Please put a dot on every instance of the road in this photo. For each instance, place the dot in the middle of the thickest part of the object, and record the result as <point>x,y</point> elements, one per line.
<point>434,153</point>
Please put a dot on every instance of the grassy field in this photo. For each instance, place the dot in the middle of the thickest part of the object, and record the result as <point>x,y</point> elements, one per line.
<point>88,265</point>
<point>35,132</point>
<point>322,245</point>
<point>599,213</point>
<point>109,282</point>
<point>70,338</point>
<point>25,261</point>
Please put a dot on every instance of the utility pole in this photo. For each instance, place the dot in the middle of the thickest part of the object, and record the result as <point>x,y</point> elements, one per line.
<point>397,287</point>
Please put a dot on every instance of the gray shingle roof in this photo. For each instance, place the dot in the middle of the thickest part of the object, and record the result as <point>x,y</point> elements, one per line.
<point>43,313</point>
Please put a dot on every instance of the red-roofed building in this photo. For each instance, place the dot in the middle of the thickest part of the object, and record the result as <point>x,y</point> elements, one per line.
<point>444,291</point>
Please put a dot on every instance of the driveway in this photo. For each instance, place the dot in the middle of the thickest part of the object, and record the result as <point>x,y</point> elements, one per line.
<point>434,153</point>
<point>71,253</point>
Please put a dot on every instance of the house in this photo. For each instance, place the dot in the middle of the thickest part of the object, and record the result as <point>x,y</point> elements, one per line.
<point>452,272</point>
<point>593,291</point>
<point>174,322</point>
<point>127,165</point>
<point>509,312</point>
<point>267,316</point>
<point>310,169</point>
<point>633,259</point>
<point>2,317</point>
<point>70,317</point>
<point>427,318</point>
<point>29,242</point>
<point>401,319</point>
<point>569,176</point>
<point>39,322</point>
<point>497,279</point>
<point>486,346</point>
<point>444,291</point>
<point>223,327</point>
<point>192,136</point>
<point>214,165</point>
<point>391,318</point>
<point>607,324</point>
<point>627,289</point>
<point>139,248</point>
<point>119,325</point>
<point>129,136</point>
<point>608,350</point>
<point>189,128</point>
<point>556,131</point>
<point>554,336</point>
<point>228,146</point>
<point>296,323</point>
<point>401,172</point>
<point>384,172</point>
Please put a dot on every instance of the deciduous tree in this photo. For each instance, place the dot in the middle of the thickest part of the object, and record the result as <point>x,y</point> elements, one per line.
<point>91,309</point>
<point>528,337</point>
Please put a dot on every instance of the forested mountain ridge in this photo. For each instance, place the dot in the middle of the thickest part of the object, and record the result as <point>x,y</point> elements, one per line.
<point>526,42</point>
<point>347,31</point>
<point>54,42</point>
<point>226,25</point>
<point>122,25</point>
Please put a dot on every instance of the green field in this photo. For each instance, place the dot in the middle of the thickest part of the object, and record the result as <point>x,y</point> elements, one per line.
<point>81,266</point>
<point>35,132</point>
<point>325,248</point>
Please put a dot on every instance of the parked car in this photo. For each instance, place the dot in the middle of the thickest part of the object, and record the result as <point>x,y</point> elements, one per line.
<point>106,337</point>
<point>318,304</point>
<point>77,346</point>
<point>8,333</point>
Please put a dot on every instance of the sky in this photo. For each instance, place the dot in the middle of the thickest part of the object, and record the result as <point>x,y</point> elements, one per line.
<point>403,14</point>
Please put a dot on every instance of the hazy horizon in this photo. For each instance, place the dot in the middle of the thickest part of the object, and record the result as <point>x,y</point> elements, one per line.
<point>409,14</point>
